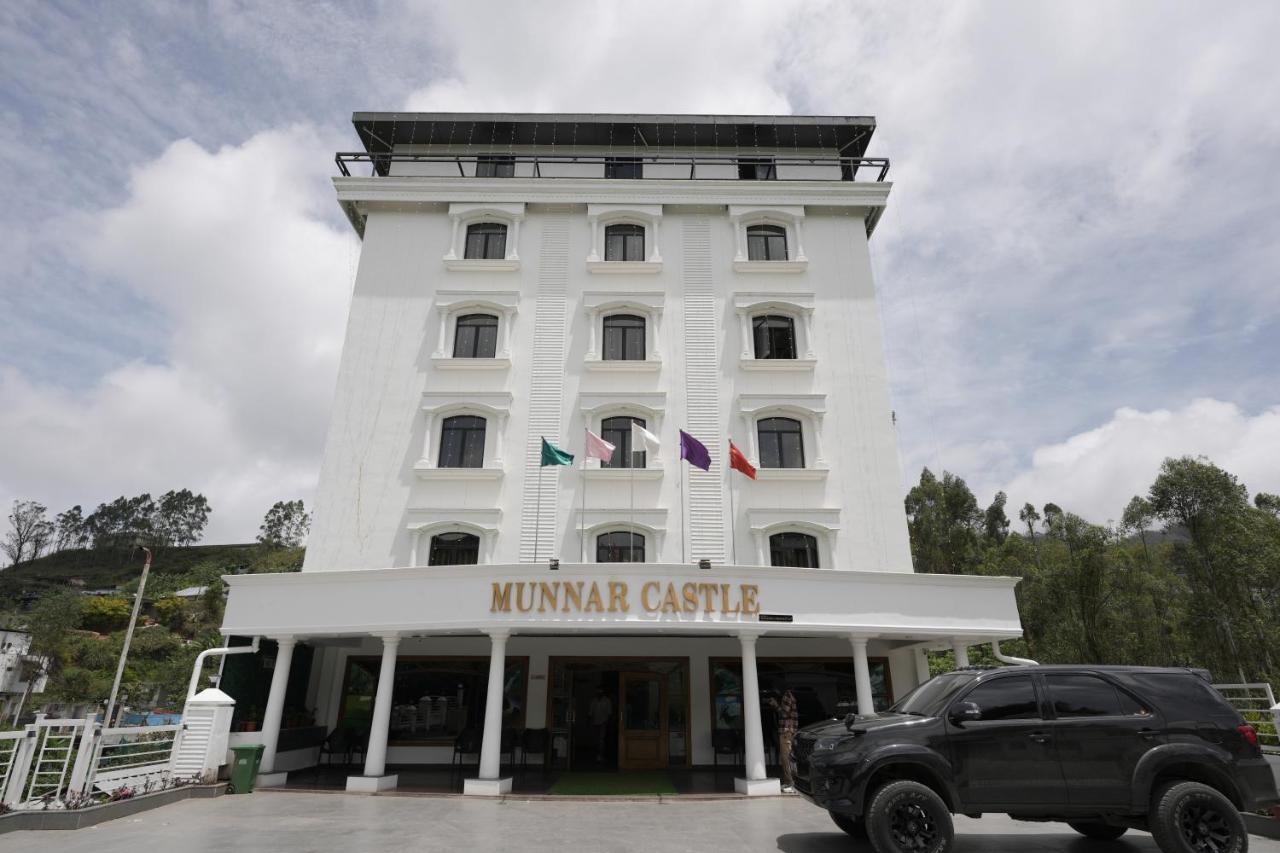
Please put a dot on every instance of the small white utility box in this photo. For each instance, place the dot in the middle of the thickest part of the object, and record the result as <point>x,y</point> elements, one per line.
<point>203,749</point>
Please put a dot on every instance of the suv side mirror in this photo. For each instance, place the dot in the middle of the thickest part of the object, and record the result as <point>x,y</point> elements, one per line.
<point>965,712</point>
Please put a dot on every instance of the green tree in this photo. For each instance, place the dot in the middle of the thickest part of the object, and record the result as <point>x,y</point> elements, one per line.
<point>105,614</point>
<point>1030,518</point>
<point>121,523</point>
<point>50,623</point>
<point>180,518</point>
<point>995,522</point>
<point>1267,502</point>
<point>945,525</point>
<point>29,532</point>
<point>285,525</point>
<point>72,531</point>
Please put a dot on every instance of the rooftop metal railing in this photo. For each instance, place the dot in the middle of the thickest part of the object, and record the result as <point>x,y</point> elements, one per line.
<point>622,167</point>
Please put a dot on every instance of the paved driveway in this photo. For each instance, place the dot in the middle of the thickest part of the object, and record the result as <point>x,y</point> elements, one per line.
<point>287,822</point>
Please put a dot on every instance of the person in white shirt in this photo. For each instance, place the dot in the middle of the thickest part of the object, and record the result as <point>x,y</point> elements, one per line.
<point>598,715</point>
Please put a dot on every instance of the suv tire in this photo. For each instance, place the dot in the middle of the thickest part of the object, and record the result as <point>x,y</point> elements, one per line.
<point>1097,830</point>
<point>849,825</point>
<point>1188,817</point>
<point>907,816</point>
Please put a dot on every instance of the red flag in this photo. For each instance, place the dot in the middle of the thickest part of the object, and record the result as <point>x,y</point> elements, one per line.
<point>739,462</point>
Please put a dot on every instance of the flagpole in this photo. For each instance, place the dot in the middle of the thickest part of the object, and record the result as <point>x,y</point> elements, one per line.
<point>683,524</point>
<point>537,513</point>
<point>631,520</point>
<point>582,517</point>
<point>733,515</point>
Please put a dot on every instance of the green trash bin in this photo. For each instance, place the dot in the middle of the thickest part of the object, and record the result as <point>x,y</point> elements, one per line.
<point>244,767</point>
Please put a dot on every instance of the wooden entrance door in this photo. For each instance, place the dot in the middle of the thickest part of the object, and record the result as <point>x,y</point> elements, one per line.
<point>642,727</point>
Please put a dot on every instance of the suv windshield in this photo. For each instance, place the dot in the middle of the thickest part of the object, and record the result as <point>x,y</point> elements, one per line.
<point>929,699</point>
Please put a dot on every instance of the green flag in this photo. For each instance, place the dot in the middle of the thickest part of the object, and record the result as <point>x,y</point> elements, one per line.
<point>552,455</point>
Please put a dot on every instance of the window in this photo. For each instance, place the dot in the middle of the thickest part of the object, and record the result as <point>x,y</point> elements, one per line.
<point>624,243</point>
<point>476,336</point>
<point>617,431</point>
<point>623,167</point>
<point>621,546</point>
<point>775,336</point>
<point>824,689</point>
<point>1088,696</point>
<point>766,243</point>
<point>462,442</point>
<point>1012,698</point>
<point>454,549</point>
<point>623,337</point>
<point>433,700</point>
<point>757,169</point>
<point>781,443</point>
<point>486,241</point>
<point>495,166</point>
<point>798,550</point>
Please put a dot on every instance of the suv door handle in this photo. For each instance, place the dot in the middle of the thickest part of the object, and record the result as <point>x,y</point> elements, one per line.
<point>1039,737</point>
<point>1147,734</point>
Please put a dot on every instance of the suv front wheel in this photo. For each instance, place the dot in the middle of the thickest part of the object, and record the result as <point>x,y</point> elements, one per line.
<point>907,817</point>
<point>1188,817</point>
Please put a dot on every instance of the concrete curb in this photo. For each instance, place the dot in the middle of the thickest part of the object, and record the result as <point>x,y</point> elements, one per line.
<point>80,818</point>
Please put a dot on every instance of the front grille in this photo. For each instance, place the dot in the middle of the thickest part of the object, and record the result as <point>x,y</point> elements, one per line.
<point>802,748</point>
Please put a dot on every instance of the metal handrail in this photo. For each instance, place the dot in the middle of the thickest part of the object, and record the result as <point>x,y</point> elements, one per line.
<point>849,166</point>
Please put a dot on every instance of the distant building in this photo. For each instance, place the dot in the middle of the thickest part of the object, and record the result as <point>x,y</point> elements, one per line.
<point>535,277</point>
<point>17,666</point>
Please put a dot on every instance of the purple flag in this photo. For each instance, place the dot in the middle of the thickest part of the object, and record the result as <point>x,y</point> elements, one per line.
<point>694,451</point>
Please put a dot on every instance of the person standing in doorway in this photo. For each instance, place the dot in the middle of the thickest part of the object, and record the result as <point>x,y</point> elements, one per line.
<point>599,714</point>
<point>788,720</point>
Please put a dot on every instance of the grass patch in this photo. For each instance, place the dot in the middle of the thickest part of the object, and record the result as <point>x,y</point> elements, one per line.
<point>603,783</point>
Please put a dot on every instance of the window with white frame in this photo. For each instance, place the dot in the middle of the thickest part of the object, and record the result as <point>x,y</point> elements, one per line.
<point>624,242</point>
<point>794,549</point>
<point>454,549</point>
<point>495,166</point>
<point>781,442</point>
<point>624,337</point>
<point>620,546</point>
<point>624,238</point>
<point>617,431</point>
<point>462,442</point>
<point>757,169</point>
<point>773,336</point>
<point>476,336</point>
<point>766,243</point>
<point>486,236</point>
<point>769,239</point>
<point>486,241</point>
<point>629,168</point>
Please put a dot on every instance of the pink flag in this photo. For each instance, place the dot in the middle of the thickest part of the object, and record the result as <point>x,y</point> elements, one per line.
<point>598,448</point>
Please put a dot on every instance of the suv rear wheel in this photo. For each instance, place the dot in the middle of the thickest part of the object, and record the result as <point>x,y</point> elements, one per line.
<point>1097,830</point>
<point>851,826</point>
<point>907,817</point>
<point>1188,817</point>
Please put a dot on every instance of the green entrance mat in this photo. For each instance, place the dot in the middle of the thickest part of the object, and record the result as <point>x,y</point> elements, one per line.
<point>603,783</point>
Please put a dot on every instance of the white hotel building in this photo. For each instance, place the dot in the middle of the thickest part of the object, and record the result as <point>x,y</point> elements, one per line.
<point>527,276</point>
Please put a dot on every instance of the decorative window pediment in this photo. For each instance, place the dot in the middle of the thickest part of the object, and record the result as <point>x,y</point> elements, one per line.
<point>777,230</point>
<point>468,246</point>
<point>822,524</point>
<point>616,252</point>
<point>600,305</point>
<point>767,412</point>
<point>440,409</point>
<point>798,307</point>
<point>425,523</point>
<point>453,305</point>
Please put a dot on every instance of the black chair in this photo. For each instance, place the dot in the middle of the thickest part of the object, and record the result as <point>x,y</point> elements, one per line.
<point>537,742</point>
<point>466,743</point>
<point>507,745</point>
<point>726,742</point>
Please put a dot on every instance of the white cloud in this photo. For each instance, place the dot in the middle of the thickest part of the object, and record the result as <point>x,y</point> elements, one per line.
<point>1094,473</point>
<point>234,248</point>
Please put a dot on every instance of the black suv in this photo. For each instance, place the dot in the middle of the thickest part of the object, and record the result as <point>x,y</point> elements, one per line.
<point>1102,748</point>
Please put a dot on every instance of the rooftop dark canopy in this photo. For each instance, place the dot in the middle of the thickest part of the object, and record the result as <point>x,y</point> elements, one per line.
<point>380,132</point>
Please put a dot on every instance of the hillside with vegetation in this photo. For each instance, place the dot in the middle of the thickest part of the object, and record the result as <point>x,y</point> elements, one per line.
<point>74,591</point>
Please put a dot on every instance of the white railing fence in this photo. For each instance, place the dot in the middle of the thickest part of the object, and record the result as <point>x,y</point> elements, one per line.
<point>1257,704</point>
<point>72,763</point>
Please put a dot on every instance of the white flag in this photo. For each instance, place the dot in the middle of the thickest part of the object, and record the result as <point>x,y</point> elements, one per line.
<point>642,439</point>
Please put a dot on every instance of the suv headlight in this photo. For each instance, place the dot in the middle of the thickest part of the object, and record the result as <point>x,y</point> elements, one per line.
<point>832,744</point>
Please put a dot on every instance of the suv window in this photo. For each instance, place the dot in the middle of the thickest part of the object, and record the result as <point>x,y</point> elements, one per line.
<point>1011,698</point>
<point>1088,696</point>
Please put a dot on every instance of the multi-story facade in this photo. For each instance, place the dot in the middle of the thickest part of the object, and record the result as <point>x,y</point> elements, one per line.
<point>530,277</point>
<point>21,673</point>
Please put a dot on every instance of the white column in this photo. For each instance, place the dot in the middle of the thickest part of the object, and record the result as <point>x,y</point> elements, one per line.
<point>275,703</point>
<point>507,317</point>
<point>740,239</point>
<point>593,224</point>
<point>744,320</point>
<point>799,241</point>
<point>429,419</point>
<point>862,676</point>
<point>593,317</point>
<point>961,648</point>
<point>819,460</point>
<point>756,782</point>
<point>500,424</point>
<point>513,246</point>
<point>417,544</point>
<point>441,352</point>
<point>491,742</point>
<point>806,321</point>
<point>375,760</point>
<point>922,665</point>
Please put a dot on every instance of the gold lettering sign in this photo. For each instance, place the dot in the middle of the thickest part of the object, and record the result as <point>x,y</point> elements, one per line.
<point>655,597</point>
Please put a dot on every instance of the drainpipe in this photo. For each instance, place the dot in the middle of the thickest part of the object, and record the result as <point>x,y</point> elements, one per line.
<point>225,650</point>
<point>1003,658</point>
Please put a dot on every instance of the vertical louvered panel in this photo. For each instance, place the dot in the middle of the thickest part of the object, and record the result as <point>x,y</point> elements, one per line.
<point>705,500</point>
<point>546,391</point>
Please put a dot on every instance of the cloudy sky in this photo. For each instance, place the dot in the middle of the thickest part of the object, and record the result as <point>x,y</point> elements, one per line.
<point>1078,267</point>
